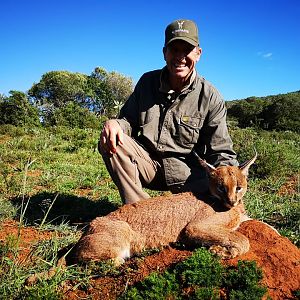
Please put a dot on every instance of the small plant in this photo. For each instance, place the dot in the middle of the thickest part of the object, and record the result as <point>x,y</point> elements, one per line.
<point>155,286</point>
<point>242,282</point>
<point>101,269</point>
<point>205,294</point>
<point>7,210</point>
<point>201,269</point>
<point>201,277</point>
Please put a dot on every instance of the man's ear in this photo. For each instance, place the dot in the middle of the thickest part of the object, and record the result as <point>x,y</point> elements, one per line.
<point>199,52</point>
<point>164,52</point>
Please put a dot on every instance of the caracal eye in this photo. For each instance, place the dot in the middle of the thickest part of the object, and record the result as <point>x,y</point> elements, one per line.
<point>239,189</point>
<point>221,188</point>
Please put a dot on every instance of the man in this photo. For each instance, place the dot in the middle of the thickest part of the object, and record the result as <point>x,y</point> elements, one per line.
<point>170,113</point>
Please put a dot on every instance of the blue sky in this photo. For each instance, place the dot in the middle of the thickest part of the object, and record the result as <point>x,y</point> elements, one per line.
<point>250,48</point>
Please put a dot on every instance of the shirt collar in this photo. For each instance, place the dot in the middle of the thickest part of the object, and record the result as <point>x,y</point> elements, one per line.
<point>165,85</point>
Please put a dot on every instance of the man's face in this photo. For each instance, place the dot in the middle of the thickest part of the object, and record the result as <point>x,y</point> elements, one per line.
<point>181,58</point>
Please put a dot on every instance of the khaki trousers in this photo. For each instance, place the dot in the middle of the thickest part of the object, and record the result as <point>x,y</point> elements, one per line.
<point>131,168</point>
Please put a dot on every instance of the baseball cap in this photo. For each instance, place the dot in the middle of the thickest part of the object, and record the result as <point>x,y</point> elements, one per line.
<point>185,30</point>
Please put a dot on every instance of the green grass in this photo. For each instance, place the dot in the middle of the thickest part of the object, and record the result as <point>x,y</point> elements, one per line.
<point>278,162</point>
<point>59,177</point>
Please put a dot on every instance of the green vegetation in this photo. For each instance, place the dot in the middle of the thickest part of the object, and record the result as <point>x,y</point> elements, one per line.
<point>279,112</point>
<point>54,179</point>
<point>63,98</point>
<point>17,110</point>
<point>201,277</point>
<point>273,195</point>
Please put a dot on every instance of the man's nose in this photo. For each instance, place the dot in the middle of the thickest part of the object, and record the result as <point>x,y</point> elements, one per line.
<point>180,55</point>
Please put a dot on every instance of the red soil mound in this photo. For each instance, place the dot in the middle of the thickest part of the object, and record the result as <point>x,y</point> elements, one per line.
<point>276,255</point>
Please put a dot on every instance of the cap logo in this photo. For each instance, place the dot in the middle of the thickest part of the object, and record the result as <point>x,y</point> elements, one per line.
<point>180,29</point>
<point>180,24</point>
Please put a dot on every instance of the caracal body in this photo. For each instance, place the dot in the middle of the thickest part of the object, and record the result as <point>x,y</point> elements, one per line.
<point>156,222</point>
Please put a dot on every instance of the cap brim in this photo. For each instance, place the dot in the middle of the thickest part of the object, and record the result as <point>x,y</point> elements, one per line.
<point>183,38</point>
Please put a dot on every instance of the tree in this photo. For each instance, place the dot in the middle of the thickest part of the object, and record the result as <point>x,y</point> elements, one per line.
<point>102,92</point>
<point>120,88</point>
<point>247,111</point>
<point>114,90</point>
<point>283,113</point>
<point>57,88</point>
<point>96,83</point>
<point>17,110</point>
<point>276,112</point>
<point>72,115</point>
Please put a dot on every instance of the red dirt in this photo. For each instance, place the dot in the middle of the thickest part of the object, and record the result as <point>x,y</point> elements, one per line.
<point>28,236</point>
<point>276,255</point>
<point>291,187</point>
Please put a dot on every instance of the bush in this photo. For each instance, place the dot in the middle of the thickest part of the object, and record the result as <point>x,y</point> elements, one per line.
<point>277,151</point>
<point>201,277</point>
<point>17,110</point>
<point>243,287</point>
<point>155,286</point>
<point>283,114</point>
<point>201,269</point>
<point>72,115</point>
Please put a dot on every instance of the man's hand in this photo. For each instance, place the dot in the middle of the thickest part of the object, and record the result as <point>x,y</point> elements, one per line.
<point>111,136</point>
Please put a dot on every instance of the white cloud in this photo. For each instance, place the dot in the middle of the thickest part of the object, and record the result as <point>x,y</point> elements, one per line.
<point>268,55</point>
<point>265,55</point>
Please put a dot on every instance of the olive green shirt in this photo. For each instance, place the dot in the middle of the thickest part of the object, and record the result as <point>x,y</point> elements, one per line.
<point>170,125</point>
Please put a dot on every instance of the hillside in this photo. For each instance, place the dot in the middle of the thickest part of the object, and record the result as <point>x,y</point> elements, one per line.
<point>277,112</point>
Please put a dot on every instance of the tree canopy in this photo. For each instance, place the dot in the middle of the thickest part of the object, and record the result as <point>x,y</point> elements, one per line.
<point>17,110</point>
<point>279,112</point>
<point>57,88</point>
<point>102,93</point>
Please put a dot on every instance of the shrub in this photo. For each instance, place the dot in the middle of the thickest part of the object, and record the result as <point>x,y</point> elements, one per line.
<point>17,110</point>
<point>201,276</point>
<point>242,281</point>
<point>201,268</point>
<point>72,115</point>
<point>155,286</point>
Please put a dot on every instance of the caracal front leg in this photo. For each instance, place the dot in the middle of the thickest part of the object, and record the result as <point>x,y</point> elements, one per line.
<point>220,239</point>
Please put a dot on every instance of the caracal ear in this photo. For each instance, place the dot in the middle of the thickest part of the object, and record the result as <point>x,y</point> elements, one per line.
<point>244,167</point>
<point>208,167</point>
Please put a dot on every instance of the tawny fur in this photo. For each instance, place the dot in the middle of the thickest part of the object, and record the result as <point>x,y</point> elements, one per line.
<point>160,221</point>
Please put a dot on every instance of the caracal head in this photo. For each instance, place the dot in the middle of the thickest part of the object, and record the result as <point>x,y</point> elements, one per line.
<point>228,183</point>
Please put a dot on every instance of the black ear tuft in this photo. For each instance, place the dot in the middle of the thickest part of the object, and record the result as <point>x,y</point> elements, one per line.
<point>208,167</point>
<point>244,167</point>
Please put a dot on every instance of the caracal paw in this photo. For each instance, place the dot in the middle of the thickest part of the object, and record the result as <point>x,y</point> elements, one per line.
<point>117,261</point>
<point>224,252</point>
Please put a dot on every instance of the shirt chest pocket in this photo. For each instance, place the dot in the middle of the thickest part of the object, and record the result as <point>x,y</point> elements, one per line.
<point>188,130</point>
